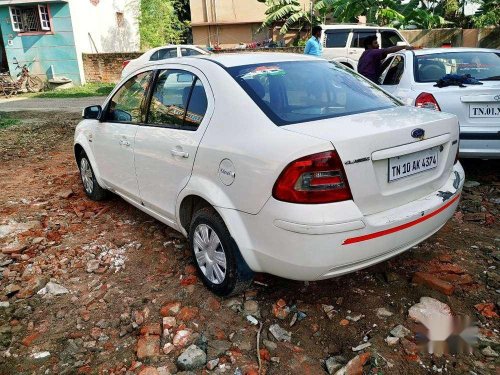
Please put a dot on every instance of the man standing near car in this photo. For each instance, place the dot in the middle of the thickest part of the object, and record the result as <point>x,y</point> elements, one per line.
<point>370,62</point>
<point>313,45</point>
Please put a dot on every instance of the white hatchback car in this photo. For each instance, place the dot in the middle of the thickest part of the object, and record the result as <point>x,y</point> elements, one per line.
<point>271,162</point>
<point>162,53</point>
<point>411,76</point>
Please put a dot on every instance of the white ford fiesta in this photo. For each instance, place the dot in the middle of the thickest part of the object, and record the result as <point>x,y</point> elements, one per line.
<point>275,163</point>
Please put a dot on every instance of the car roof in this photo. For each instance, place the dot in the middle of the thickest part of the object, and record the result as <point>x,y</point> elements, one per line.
<point>428,51</point>
<point>241,58</point>
<point>355,26</point>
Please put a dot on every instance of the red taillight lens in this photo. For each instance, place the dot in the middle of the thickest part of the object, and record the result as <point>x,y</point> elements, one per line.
<point>318,178</point>
<point>427,100</point>
<point>125,63</point>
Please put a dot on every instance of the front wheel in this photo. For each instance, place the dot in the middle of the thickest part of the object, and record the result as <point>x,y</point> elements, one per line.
<point>34,84</point>
<point>92,188</point>
<point>218,260</point>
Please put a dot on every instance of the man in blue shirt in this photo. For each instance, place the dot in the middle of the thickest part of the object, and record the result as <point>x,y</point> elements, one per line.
<point>313,45</point>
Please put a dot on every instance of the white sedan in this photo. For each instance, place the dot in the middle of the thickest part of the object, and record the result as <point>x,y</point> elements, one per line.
<point>412,75</point>
<point>161,53</point>
<point>276,163</point>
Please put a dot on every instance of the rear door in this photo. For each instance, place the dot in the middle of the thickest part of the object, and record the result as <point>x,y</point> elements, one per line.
<point>357,47</point>
<point>113,143</point>
<point>166,145</point>
<point>389,38</point>
<point>335,43</point>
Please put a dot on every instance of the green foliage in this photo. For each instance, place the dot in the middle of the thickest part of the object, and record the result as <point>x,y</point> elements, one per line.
<point>291,13</point>
<point>488,14</point>
<point>6,120</point>
<point>90,89</point>
<point>159,23</point>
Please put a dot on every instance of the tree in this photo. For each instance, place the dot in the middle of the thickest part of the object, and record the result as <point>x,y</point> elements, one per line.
<point>488,14</point>
<point>291,13</point>
<point>159,24</point>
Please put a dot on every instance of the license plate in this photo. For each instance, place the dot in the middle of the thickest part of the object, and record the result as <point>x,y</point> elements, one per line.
<point>407,165</point>
<point>484,110</point>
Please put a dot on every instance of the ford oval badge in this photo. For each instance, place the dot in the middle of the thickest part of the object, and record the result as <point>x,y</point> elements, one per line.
<point>418,133</point>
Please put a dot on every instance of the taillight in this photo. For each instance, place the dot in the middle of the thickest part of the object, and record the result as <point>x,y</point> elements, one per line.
<point>318,178</point>
<point>428,101</point>
<point>125,63</point>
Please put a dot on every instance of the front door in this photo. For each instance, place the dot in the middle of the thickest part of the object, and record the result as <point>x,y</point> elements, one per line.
<point>114,136</point>
<point>166,146</point>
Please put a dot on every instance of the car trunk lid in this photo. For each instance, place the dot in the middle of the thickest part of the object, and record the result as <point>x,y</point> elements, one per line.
<point>473,104</point>
<point>367,143</point>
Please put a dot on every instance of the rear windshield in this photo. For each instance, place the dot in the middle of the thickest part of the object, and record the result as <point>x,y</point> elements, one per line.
<point>301,91</point>
<point>480,65</point>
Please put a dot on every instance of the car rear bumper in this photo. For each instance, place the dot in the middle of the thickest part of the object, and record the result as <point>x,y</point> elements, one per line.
<point>480,144</point>
<point>312,242</point>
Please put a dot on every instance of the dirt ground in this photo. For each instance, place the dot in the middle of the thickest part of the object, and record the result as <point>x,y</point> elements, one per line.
<point>126,297</point>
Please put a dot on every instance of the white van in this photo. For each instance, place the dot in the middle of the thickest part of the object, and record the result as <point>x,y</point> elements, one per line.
<point>344,42</point>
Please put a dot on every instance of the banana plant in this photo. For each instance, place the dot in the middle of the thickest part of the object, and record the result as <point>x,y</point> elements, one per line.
<point>291,13</point>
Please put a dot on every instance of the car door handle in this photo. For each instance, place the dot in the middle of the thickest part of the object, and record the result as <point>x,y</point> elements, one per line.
<point>180,153</point>
<point>124,142</point>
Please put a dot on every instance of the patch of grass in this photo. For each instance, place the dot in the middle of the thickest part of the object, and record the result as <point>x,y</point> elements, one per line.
<point>90,89</point>
<point>6,120</point>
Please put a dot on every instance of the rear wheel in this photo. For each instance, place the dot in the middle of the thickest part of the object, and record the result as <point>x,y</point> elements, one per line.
<point>218,260</point>
<point>90,185</point>
<point>34,84</point>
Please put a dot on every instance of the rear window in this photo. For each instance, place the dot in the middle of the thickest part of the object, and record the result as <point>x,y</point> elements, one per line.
<point>301,91</point>
<point>336,38</point>
<point>480,65</point>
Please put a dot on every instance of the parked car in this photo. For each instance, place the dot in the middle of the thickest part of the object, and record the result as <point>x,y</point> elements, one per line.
<point>307,174</point>
<point>412,75</point>
<point>161,53</point>
<point>344,42</point>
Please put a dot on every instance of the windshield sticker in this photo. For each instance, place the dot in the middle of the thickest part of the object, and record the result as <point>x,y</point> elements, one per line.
<point>264,71</point>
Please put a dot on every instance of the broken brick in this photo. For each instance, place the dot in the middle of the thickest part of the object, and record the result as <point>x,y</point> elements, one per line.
<point>487,310</point>
<point>433,282</point>
<point>171,308</point>
<point>151,329</point>
<point>188,313</point>
<point>148,346</point>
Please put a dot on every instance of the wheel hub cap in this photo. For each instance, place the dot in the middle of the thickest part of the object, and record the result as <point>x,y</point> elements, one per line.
<point>209,254</point>
<point>87,178</point>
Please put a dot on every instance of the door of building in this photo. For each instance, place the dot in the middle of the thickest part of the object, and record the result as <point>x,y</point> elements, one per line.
<point>3,56</point>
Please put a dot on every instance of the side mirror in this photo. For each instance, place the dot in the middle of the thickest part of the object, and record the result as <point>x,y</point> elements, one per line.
<point>401,44</point>
<point>92,113</point>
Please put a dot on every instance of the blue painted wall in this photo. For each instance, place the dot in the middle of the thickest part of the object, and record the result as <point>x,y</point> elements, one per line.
<point>58,49</point>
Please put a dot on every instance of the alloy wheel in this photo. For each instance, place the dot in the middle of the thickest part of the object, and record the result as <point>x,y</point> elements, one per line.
<point>87,177</point>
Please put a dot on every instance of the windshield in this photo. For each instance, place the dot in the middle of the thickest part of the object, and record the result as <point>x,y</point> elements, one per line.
<point>480,65</point>
<point>301,91</point>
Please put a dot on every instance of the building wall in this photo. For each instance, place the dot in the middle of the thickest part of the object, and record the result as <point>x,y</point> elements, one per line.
<point>228,22</point>
<point>98,30</point>
<point>228,35</point>
<point>39,52</point>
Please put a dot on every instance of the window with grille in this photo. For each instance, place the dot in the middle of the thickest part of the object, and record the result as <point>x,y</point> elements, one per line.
<point>28,19</point>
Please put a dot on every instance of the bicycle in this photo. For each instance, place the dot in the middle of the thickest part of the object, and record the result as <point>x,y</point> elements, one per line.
<point>9,86</point>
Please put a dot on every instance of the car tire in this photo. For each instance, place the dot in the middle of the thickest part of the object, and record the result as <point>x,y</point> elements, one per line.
<point>217,257</point>
<point>90,185</point>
